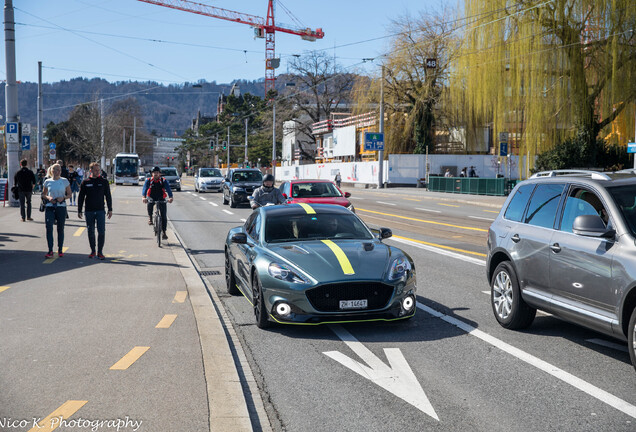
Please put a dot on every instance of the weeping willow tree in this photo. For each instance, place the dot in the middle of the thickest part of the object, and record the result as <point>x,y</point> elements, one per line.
<point>414,91</point>
<point>547,70</point>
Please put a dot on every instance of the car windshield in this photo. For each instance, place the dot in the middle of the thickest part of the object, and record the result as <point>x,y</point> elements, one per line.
<point>169,172</point>
<point>315,190</point>
<point>320,226</point>
<point>625,198</point>
<point>247,176</point>
<point>210,173</point>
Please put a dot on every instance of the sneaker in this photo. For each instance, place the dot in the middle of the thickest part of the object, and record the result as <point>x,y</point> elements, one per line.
<point>149,221</point>
<point>101,257</point>
<point>49,255</point>
<point>92,255</point>
<point>23,219</point>
<point>29,219</point>
<point>60,254</point>
<point>164,236</point>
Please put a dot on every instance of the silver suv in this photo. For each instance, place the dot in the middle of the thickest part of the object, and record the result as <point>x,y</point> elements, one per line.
<point>565,242</point>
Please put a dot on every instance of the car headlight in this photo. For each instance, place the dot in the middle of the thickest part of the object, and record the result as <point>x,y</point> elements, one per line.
<point>399,268</point>
<point>238,189</point>
<point>283,273</point>
<point>178,181</point>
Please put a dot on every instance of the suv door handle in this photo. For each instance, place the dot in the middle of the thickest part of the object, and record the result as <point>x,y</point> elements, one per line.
<point>515,238</point>
<point>555,247</point>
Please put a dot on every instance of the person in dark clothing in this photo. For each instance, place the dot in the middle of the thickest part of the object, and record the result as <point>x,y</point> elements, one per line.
<point>41,173</point>
<point>94,190</point>
<point>157,189</point>
<point>25,180</point>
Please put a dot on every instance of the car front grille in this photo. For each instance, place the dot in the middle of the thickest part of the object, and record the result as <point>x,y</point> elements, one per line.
<point>326,298</point>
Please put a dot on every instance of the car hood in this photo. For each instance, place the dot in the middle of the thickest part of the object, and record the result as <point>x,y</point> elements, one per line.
<point>322,200</point>
<point>369,259</point>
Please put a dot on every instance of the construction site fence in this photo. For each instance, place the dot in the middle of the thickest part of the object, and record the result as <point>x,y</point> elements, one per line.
<point>472,185</point>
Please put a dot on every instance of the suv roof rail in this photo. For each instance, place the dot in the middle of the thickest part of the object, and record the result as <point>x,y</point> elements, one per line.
<point>565,172</point>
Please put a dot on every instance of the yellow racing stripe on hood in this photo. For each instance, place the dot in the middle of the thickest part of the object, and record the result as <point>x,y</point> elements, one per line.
<point>340,255</point>
<point>309,209</point>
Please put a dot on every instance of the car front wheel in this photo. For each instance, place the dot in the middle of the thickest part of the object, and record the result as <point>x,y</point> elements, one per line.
<point>232,202</point>
<point>631,337</point>
<point>511,311</point>
<point>230,278</point>
<point>225,201</point>
<point>260,313</point>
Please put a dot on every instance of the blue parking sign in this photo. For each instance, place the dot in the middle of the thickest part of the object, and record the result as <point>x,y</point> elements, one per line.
<point>26,142</point>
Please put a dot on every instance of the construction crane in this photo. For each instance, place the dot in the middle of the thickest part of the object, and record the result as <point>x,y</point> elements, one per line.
<point>263,28</point>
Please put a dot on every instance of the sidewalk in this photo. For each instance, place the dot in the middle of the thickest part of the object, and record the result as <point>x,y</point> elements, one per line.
<point>67,321</point>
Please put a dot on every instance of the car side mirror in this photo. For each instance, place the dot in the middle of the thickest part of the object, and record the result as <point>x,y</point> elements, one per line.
<point>385,233</point>
<point>347,194</point>
<point>591,226</point>
<point>239,238</point>
<point>285,195</point>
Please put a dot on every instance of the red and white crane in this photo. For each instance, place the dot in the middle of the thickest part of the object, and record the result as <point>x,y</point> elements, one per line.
<point>263,28</point>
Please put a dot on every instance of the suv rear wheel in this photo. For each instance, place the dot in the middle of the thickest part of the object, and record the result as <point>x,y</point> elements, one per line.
<point>631,337</point>
<point>511,311</point>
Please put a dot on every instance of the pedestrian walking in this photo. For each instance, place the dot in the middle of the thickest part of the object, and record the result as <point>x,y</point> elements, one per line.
<point>41,173</point>
<point>448,173</point>
<point>93,191</point>
<point>75,180</point>
<point>464,172</point>
<point>56,191</point>
<point>472,172</point>
<point>24,179</point>
<point>338,179</point>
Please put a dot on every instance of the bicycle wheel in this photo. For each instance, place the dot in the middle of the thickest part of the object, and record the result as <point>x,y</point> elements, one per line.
<point>158,226</point>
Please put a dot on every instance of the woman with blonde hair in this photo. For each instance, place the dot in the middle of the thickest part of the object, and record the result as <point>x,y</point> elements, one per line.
<point>56,191</point>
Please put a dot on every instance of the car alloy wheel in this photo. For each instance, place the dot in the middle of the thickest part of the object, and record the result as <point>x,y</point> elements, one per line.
<point>510,310</point>
<point>260,313</point>
<point>225,201</point>
<point>631,337</point>
<point>232,202</point>
<point>230,279</point>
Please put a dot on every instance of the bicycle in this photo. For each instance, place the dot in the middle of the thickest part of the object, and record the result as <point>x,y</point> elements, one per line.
<point>156,220</point>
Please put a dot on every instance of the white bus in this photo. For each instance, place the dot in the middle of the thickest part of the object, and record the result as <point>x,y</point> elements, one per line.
<point>126,169</point>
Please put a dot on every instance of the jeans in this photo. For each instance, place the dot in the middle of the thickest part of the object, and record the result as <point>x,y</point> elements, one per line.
<point>91,218</point>
<point>25,196</point>
<point>50,216</point>
<point>162,210</point>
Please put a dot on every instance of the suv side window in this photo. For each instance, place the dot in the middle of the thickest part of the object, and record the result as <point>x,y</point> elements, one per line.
<point>544,204</point>
<point>518,203</point>
<point>581,201</point>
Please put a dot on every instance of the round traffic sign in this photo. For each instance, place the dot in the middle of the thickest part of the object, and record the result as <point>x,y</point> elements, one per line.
<point>51,146</point>
<point>52,153</point>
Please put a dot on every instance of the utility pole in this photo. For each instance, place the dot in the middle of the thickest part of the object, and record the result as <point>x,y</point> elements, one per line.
<point>134,135</point>
<point>11,97</point>
<point>245,161</point>
<point>40,142</point>
<point>123,145</point>
<point>101,118</point>
<point>381,152</point>
<point>274,138</point>
<point>228,148</point>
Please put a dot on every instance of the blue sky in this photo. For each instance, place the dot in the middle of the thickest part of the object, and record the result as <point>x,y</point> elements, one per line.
<point>121,40</point>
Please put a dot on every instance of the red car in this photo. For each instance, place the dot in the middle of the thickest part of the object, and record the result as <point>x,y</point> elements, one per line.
<point>315,192</point>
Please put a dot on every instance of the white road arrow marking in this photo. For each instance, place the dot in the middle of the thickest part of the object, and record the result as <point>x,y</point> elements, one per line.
<point>397,378</point>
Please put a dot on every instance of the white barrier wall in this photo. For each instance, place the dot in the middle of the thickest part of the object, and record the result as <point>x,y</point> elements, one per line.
<point>351,172</point>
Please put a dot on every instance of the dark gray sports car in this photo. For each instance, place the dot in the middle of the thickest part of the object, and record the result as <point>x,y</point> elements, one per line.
<point>315,264</point>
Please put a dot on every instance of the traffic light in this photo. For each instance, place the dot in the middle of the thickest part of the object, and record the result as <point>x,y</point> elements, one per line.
<point>224,145</point>
<point>212,144</point>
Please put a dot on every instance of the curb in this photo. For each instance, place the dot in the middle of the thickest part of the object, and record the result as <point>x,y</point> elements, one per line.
<point>226,401</point>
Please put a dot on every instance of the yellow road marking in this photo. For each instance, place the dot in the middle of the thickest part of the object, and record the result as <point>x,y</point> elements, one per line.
<point>166,321</point>
<point>307,208</point>
<point>53,420</point>
<point>180,297</point>
<point>411,199</point>
<point>54,257</point>
<point>491,211</point>
<point>442,246</point>
<point>341,256</point>
<point>457,236</point>
<point>79,231</point>
<point>4,288</point>
<point>424,221</point>
<point>132,356</point>
<point>447,205</point>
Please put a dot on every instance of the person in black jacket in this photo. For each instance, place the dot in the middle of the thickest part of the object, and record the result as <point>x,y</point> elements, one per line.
<point>93,190</point>
<point>25,180</point>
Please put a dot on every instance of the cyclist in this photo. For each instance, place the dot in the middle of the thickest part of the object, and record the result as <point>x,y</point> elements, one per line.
<point>267,194</point>
<point>157,189</point>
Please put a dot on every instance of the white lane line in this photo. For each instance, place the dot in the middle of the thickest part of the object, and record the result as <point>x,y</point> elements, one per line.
<point>546,367</point>
<point>481,218</point>
<point>214,204</point>
<point>428,210</point>
<point>190,192</point>
<point>441,251</point>
<point>486,292</point>
<point>243,220</point>
<point>608,344</point>
<point>227,211</point>
<point>202,198</point>
<point>385,203</point>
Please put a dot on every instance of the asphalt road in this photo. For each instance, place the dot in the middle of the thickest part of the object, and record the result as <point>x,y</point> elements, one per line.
<point>450,368</point>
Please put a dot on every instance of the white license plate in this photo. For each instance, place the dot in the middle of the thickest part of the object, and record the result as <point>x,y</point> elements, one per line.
<point>353,304</point>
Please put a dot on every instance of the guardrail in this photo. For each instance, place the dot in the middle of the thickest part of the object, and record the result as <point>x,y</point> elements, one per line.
<point>471,185</point>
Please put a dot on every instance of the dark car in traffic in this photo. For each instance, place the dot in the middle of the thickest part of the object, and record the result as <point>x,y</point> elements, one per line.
<point>239,184</point>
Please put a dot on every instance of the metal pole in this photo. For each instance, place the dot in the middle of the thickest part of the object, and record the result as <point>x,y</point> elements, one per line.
<point>635,134</point>
<point>245,161</point>
<point>134,135</point>
<point>381,152</point>
<point>274,138</point>
<point>11,96</point>
<point>123,143</point>
<point>101,119</point>
<point>228,148</point>
<point>40,143</point>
